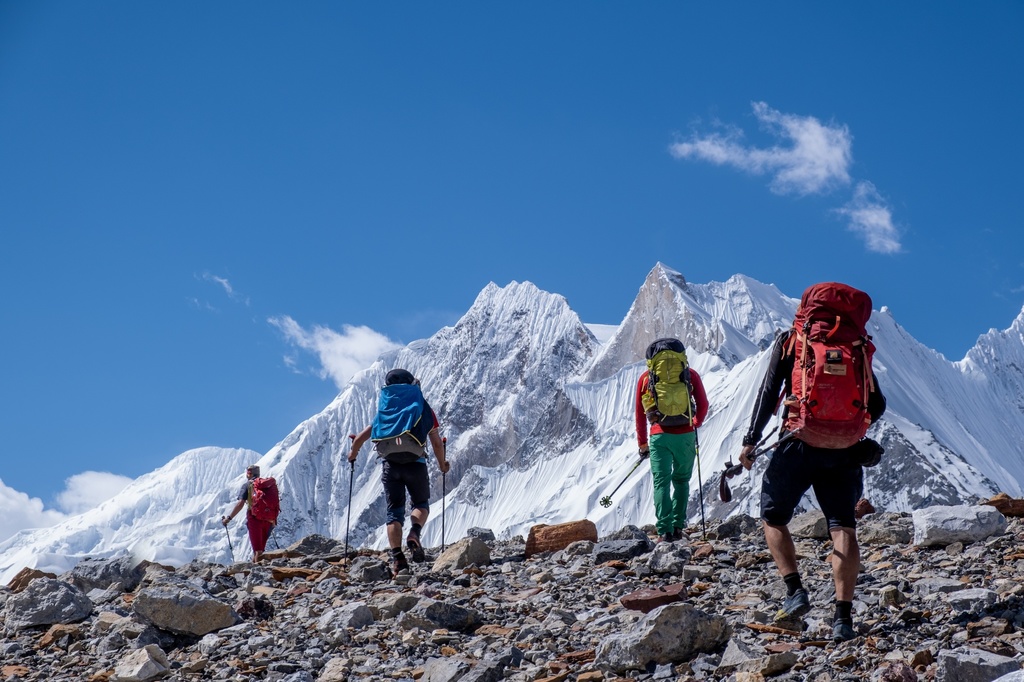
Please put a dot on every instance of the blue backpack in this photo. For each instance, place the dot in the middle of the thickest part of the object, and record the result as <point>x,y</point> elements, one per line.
<point>402,424</point>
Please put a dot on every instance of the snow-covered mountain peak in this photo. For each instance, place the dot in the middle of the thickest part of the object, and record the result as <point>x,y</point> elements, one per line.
<point>539,418</point>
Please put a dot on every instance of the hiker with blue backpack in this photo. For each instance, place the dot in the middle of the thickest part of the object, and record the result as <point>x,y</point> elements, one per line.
<point>403,425</point>
<point>670,405</point>
<point>820,371</point>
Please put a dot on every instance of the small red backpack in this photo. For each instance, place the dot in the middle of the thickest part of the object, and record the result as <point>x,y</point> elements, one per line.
<point>265,503</point>
<point>832,378</point>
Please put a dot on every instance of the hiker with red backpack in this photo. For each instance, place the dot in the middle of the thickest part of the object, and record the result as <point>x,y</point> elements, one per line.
<point>403,425</point>
<point>264,505</point>
<point>820,371</point>
<point>671,401</point>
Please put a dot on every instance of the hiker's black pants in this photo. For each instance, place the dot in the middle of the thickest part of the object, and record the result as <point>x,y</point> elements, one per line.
<point>397,478</point>
<point>838,484</point>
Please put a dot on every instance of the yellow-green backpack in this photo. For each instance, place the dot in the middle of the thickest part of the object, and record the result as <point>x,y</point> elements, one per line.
<point>667,398</point>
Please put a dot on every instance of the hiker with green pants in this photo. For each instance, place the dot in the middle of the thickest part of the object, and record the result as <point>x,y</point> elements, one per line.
<point>672,404</point>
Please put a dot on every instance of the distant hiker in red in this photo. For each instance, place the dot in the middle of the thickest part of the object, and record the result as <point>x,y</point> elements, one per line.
<point>822,367</point>
<point>670,398</point>
<point>400,431</point>
<point>260,494</point>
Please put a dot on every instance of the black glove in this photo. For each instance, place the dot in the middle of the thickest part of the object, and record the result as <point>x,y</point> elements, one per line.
<point>867,453</point>
<point>644,454</point>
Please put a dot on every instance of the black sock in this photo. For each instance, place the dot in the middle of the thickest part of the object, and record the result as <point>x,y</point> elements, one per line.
<point>416,528</point>
<point>793,583</point>
<point>844,612</point>
<point>396,552</point>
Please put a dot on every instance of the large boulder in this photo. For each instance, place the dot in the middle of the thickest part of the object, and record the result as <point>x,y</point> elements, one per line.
<point>46,601</point>
<point>470,550</point>
<point>941,526</point>
<point>183,608</point>
<point>544,538</point>
<point>668,634</point>
<point>99,574</point>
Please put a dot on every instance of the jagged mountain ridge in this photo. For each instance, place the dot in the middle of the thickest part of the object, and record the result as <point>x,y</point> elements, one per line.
<point>539,422</point>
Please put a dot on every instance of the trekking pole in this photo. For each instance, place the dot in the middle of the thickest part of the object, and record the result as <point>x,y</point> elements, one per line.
<point>732,469</point>
<point>348,510</point>
<point>444,487</point>
<point>606,501</point>
<point>230,546</point>
<point>700,484</point>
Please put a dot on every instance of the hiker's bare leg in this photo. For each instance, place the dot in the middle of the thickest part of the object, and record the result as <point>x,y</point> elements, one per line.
<point>419,516</point>
<point>257,557</point>
<point>780,544</point>
<point>845,562</point>
<point>394,534</point>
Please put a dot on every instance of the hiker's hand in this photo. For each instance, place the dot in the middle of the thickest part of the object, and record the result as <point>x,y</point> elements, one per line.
<point>444,466</point>
<point>645,451</point>
<point>352,454</point>
<point>745,457</point>
<point>224,520</point>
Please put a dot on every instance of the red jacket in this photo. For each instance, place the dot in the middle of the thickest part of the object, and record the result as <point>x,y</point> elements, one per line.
<point>699,396</point>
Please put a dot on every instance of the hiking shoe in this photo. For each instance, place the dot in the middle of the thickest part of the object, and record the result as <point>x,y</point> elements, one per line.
<point>796,605</point>
<point>842,631</point>
<point>415,548</point>
<point>399,565</point>
<point>678,534</point>
<point>667,537</point>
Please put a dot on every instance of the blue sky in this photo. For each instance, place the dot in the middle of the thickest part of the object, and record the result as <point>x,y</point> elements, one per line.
<point>212,213</point>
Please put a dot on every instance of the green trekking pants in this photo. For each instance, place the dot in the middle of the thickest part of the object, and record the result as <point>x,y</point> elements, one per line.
<point>672,457</point>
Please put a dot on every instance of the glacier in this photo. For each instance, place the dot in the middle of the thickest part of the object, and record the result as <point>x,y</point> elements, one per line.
<point>537,410</point>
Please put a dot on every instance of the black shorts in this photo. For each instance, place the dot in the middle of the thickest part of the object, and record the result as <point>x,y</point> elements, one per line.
<point>838,484</point>
<point>397,478</point>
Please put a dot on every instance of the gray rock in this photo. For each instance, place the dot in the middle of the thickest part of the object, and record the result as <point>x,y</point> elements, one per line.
<point>430,614</point>
<point>973,600</point>
<point>941,526</point>
<point>735,526</point>
<point>885,529</point>
<point>366,569</point>
<point>620,550</point>
<point>669,558</point>
<point>466,551</point>
<point>973,665</point>
<point>736,654</point>
<point>443,670</point>
<point>485,671</point>
<point>184,609</point>
<point>46,601</point>
<point>668,634</point>
<point>485,534</point>
<point>318,546</point>
<point>938,585</point>
<point>141,665</point>
<point>809,525</point>
<point>100,574</point>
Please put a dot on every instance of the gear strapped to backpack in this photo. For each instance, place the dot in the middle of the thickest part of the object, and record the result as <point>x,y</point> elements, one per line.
<point>264,501</point>
<point>402,424</point>
<point>667,398</point>
<point>832,378</point>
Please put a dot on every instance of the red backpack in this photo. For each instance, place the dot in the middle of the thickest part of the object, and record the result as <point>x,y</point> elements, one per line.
<point>264,503</point>
<point>832,377</point>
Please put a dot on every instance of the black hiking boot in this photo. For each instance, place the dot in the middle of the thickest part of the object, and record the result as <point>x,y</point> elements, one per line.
<point>796,605</point>
<point>842,631</point>
<point>678,534</point>
<point>667,537</point>
<point>399,564</point>
<point>415,548</point>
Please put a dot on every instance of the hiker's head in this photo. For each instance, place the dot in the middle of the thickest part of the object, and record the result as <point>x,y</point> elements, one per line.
<point>252,471</point>
<point>400,376</point>
<point>665,344</point>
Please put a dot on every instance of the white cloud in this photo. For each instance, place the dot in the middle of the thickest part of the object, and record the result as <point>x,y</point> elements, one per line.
<point>18,511</point>
<point>88,489</point>
<point>816,158</point>
<point>341,354</point>
<point>870,217</point>
<point>226,285</point>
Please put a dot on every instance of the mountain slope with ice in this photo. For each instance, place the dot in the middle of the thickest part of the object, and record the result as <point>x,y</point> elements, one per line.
<point>538,414</point>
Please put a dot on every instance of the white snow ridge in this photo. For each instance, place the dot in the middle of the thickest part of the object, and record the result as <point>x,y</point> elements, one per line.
<point>538,414</point>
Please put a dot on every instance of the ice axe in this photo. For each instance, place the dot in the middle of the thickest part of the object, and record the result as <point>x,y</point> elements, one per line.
<point>606,501</point>
<point>733,469</point>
